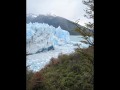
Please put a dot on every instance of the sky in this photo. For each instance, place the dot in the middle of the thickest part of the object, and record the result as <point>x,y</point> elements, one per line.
<point>69,9</point>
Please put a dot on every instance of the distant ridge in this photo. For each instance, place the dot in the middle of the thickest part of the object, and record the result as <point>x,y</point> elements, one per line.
<point>54,21</point>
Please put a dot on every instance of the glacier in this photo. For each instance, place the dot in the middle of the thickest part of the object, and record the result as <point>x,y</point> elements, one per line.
<point>41,37</point>
<point>44,42</point>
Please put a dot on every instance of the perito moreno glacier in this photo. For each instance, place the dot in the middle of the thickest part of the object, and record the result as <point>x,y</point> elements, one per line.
<point>42,37</point>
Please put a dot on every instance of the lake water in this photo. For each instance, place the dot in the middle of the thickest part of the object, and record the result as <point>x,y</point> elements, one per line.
<point>76,38</point>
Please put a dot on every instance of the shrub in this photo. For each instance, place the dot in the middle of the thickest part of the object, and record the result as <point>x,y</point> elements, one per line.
<point>67,72</point>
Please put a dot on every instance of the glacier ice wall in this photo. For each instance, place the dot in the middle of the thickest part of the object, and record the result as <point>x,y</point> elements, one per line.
<point>41,37</point>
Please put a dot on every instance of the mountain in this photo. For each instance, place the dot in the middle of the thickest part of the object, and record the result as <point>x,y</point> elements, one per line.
<point>55,21</point>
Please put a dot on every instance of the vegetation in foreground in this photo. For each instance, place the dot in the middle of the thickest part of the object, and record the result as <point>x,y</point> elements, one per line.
<point>67,72</point>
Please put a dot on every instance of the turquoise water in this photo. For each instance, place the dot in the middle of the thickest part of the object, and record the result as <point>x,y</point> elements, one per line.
<point>76,38</point>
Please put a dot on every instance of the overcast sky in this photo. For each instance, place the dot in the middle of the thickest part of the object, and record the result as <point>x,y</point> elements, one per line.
<point>69,9</point>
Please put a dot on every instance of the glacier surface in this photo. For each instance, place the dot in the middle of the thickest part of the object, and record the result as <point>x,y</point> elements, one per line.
<point>42,37</point>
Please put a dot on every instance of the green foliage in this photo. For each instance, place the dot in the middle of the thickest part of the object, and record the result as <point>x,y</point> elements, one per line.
<point>85,35</point>
<point>29,75</point>
<point>83,32</point>
<point>90,8</point>
<point>67,72</point>
<point>89,12</point>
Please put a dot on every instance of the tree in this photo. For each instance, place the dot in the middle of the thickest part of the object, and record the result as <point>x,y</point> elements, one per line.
<point>89,12</point>
<point>89,29</point>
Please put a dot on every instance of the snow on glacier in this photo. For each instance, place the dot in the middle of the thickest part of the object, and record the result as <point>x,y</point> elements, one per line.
<point>41,35</point>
